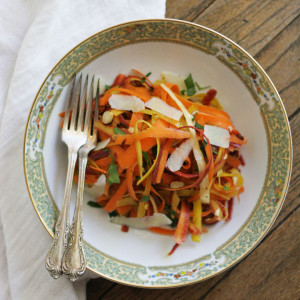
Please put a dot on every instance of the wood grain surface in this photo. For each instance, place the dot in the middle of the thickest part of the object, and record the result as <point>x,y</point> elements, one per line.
<point>269,31</point>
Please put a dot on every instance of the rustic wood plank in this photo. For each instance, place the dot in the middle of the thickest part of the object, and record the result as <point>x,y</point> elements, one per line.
<point>282,56</point>
<point>186,10</point>
<point>271,271</point>
<point>191,292</point>
<point>96,288</point>
<point>252,24</point>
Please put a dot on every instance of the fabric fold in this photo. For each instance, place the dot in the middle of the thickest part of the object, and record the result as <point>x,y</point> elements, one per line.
<point>35,35</point>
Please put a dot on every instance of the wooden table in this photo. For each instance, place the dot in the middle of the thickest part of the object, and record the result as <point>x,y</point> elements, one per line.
<point>269,31</point>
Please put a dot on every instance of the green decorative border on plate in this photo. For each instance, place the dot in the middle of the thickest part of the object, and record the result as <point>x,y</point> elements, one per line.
<point>266,97</point>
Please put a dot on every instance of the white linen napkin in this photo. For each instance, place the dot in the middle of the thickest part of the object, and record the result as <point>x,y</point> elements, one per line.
<point>34,35</point>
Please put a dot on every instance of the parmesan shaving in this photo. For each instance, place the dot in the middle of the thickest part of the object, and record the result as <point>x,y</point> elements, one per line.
<point>179,155</point>
<point>98,188</point>
<point>126,102</point>
<point>217,136</point>
<point>163,108</point>
<point>102,144</point>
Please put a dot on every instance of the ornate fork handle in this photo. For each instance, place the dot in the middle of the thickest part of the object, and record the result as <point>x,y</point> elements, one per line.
<point>74,263</point>
<point>59,244</point>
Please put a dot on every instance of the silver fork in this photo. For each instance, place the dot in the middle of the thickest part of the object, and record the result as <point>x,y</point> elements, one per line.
<point>74,135</point>
<point>74,262</point>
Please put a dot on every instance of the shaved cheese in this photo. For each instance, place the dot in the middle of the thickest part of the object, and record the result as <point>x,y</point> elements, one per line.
<point>218,212</point>
<point>179,155</point>
<point>204,185</point>
<point>102,144</point>
<point>174,78</point>
<point>98,188</point>
<point>126,102</point>
<point>156,220</point>
<point>217,136</point>
<point>165,109</point>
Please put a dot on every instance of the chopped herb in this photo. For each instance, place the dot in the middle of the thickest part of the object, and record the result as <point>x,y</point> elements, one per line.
<point>194,117</point>
<point>225,188</point>
<point>145,198</point>
<point>144,78</point>
<point>189,82</point>
<point>154,151</point>
<point>202,147</point>
<point>94,204</point>
<point>107,87</point>
<point>146,158</point>
<point>171,211</point>
<point>119,131</point>
<point>215,152</point>
<point>171,214</point>
<point>106,150</point>
<point>112,173</point>
<point>182,92</point>
<point>201,88</point>
<point>113,214</point>
<point>123,125</point>
<point>197,125</point>
<point>197,85</point>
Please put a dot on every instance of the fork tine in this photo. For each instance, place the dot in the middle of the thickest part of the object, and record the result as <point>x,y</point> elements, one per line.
<point>96,113</point>
<point>69,104</point>
<point>82,105</point>
<point>89,108</point>
<point>75,105</point>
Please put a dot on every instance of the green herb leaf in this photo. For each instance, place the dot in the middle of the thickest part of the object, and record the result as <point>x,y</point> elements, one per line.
<point>113,214</point>
<point>146,158</point>
<point>145,198</point>
<point>197,125</point>
<point>171,214</point>
<point>194,117</point>
<point>215,152</point>
<point>112,173</point>
<point>107,87</point>
<point>225,188</point>
<point>182,92</point>
<point>197,85</point>
<point>94,204</point>
<point>154,151</point>
<point>144,78</point>
<point>171,211</point>
<point>201,88</point>
<point>189,82</point>
<point>119,131</point>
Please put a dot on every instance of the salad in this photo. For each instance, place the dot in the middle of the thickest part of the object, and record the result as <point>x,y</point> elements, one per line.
<point>168,157</point>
